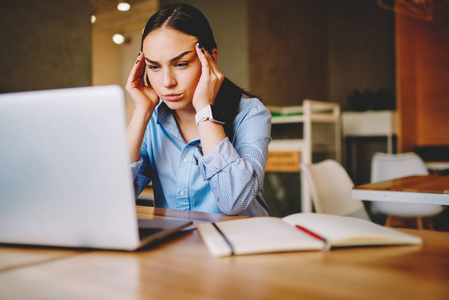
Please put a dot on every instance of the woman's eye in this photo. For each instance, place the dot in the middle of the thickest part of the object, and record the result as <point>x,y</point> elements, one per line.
<point>153,67</point>
<point>181,65</point>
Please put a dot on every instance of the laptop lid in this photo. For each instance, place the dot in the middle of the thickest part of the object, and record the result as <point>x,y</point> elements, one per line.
<point>64,169</point>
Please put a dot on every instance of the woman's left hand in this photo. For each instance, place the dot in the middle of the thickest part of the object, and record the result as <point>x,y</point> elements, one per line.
<point>210,80</point>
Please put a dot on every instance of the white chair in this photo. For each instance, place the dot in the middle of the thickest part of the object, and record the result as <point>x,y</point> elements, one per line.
<point>331,186</point>
<point>389,166</point>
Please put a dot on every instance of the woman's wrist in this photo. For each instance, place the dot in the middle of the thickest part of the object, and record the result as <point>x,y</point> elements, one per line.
<point>143,113</point>
<point>200,105</point>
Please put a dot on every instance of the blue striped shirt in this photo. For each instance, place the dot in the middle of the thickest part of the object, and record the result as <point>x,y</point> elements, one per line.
<point>227,180</point>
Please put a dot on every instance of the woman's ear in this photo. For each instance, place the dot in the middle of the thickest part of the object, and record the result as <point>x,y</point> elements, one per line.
<point>214,55</point>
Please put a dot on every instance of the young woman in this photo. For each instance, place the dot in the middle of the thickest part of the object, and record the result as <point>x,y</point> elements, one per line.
<point>199,138</point>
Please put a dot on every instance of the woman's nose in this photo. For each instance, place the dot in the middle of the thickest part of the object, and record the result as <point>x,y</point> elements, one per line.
<point>169,79</point>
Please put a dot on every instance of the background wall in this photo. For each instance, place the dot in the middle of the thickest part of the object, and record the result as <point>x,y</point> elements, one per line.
<point>361,48</point>
<point>288,46</point>
<point>45,44</point>
<point>320,50</point>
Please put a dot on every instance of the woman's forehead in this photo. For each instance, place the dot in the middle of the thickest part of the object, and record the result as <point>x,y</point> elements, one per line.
<point>165,42</point>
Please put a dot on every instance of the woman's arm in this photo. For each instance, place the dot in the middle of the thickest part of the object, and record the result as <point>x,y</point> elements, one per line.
<point>141,171</point>
<point>207,89</point>
<point>235,173</point>
<point>135,131</point>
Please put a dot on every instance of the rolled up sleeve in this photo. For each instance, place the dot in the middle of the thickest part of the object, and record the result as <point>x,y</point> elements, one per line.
<point>216,160</point>
<point>235,171</point>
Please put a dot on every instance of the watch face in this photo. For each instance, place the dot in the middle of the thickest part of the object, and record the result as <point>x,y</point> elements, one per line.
<point>218,113</point>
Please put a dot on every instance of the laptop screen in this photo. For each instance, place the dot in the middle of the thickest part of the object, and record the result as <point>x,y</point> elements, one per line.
<point>64,169</point>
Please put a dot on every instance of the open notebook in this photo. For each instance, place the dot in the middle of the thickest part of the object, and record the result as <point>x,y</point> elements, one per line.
<point>297,232</point>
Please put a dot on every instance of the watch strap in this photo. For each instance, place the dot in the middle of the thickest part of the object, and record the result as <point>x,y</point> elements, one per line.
<point>203,114</point>
<point>211,112</point>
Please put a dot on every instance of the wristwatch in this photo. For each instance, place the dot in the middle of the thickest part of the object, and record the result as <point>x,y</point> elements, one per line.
<point>213,113</point>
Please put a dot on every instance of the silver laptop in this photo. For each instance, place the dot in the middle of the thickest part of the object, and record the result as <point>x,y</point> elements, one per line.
<point>65,178</point>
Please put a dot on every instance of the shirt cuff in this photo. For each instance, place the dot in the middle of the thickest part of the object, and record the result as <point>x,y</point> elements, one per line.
<point>216,160</point>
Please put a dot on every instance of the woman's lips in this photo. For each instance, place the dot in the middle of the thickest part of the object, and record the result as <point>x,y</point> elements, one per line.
<point>172,97</point>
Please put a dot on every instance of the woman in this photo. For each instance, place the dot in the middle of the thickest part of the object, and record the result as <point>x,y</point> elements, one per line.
<point>177,138</point>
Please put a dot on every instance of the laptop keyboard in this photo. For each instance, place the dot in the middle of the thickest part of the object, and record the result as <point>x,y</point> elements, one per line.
<point>144,232</point>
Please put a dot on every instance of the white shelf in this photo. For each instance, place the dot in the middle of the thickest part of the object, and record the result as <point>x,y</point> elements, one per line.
<point>286,145</point>
<point>311,112</point>
<point>370,123</point>
<point>315,117</point>
<point>287,119</point>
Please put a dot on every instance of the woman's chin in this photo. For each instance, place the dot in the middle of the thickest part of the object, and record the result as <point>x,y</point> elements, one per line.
<point>177,105</point>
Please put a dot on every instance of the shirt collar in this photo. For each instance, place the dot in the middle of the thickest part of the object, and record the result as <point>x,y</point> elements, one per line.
<point>166,119</point>
<point>162,112</point>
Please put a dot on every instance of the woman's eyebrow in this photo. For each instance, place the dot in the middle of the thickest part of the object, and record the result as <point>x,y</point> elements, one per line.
<point>171,60</point>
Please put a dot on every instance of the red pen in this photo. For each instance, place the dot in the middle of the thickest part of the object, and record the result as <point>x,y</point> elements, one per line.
<point>313,234</point>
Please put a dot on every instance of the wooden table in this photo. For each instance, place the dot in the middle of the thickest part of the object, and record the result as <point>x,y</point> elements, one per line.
<point>182,268</point>
<point>430,189</point>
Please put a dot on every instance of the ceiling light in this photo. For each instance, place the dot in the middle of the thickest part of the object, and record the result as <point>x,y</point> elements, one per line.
<point>118,38</point>
<point>93,19</point>
<point>123,6</point>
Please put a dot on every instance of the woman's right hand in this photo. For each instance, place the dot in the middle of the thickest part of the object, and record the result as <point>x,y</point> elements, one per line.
<point>145,98</point>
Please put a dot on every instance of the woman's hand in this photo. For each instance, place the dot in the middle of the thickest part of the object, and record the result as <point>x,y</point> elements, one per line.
<point>210,80</point>
<point>144,96</point>
<point>146,100</point>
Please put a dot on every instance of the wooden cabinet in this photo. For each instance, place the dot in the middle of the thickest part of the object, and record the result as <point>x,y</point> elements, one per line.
<point>422,76</point>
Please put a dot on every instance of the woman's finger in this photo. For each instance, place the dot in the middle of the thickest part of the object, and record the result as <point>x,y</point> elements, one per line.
<point>210,68</point>
<point>201,52</point>
<point>144,96</point>
<point>135,78</point>
<point>213,66</point>
<point>210,80</point>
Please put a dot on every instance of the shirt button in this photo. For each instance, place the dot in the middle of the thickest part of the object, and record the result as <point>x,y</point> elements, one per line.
<point>182,193</point>
<point>186,159</point>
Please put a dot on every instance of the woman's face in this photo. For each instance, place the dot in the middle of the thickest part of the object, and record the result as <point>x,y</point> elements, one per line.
<point>173,66</point>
